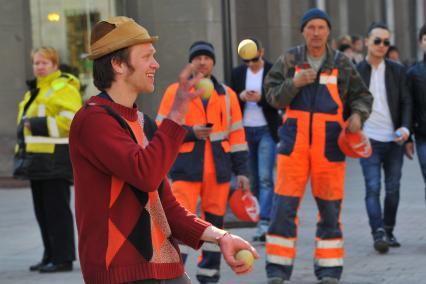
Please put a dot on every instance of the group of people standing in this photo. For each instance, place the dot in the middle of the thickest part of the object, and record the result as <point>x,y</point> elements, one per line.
<point>135,227</point>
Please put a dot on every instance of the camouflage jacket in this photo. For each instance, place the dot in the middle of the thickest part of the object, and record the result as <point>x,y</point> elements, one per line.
<point>280,89</point>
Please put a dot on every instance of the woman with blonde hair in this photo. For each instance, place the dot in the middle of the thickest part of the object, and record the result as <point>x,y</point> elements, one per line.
<point>42,156</point>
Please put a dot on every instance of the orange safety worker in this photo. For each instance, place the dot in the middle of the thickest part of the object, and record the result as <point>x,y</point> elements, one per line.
<point>214,147</point>
<point>319,88</point>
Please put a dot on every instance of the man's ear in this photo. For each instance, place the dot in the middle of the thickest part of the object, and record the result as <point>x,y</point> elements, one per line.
<point>117,66</point>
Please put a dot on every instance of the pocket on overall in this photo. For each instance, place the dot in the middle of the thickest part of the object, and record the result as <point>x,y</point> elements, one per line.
<point>332,151</point>
<point>287,134</point>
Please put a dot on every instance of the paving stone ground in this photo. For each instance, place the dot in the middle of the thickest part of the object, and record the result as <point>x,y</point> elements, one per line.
<point>20,244</point>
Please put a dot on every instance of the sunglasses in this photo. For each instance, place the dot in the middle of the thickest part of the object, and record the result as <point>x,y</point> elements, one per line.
<point>254,60</point>
<point>378,41</point>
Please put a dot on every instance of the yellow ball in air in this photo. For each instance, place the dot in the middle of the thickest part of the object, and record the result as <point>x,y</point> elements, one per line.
<point>247,49</point>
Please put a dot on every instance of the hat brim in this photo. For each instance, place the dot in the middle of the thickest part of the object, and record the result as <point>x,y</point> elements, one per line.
<point>98,53</point>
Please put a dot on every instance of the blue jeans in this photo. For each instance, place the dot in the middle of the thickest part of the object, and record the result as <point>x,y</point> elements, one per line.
<point>421,153</point>
<point>262,155</point>
<point>388,155</point>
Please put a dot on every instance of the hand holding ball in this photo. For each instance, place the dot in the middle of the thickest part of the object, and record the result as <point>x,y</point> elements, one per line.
<point>246,256</point>
<point>247,49</point>
<point>207,85</point>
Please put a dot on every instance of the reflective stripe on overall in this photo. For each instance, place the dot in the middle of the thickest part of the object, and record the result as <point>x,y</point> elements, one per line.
<point>308,147</point>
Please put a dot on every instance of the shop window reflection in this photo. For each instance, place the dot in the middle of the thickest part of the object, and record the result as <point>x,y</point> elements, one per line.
<point>78,26</point>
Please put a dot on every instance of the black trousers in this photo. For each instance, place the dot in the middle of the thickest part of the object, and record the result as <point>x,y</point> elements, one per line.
<point>51,200</point>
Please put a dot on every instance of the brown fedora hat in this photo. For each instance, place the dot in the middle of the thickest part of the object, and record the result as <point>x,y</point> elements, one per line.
<point>116,33</point>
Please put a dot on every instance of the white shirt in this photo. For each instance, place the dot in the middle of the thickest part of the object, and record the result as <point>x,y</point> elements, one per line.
<point>379,126</point>
<point>253,114</point>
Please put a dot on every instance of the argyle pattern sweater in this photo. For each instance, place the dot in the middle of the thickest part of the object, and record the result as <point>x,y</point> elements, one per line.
<point>126,230</point>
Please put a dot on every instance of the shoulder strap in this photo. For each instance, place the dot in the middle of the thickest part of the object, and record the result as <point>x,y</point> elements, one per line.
<point>228,109</point>
<point>33,94</point>
<point>149,129</point>
<point>120,120</point>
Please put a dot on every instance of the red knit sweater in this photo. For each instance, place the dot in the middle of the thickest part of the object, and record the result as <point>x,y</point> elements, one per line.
<point>116,198</point>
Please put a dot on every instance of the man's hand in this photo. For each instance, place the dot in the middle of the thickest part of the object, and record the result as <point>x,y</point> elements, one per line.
<point>184,95</point>
<point>27,124</point>
<point>304,77</point>
<point>404,135</point>
<point>253,96</point>
<point>201,131</point>
<point>354,123</point>
<point>409,150</point>
<point>243,183</point>
<point>229,246</point>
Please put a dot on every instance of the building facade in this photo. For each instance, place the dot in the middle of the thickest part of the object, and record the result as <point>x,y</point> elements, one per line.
<point>66,25</point>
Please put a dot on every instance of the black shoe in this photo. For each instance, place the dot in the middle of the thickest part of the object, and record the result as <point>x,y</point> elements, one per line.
<point>391,240</point>
<point>50,267</point>
<point>380,244</point>
<point>37,266</point>
<point>261,238</point>
<point>329,280</point>
<point>276,280</point>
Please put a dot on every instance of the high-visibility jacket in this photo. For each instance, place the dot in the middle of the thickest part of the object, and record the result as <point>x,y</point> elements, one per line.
<point>49,106</point>
<point>308,149</point>
<point>228,140</point>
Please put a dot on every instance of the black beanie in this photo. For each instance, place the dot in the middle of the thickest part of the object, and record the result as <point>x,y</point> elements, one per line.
<point>314,13</point>
<point>201,48</point>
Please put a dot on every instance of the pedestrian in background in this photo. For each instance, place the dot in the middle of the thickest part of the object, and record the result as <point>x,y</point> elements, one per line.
<point>42,155</point>
<point>357,47</point>
<point>388,128</point>
<point>416,78</point>
<point>347,50</point>
<point>209,154</point>
<point>344,39</point>
<point>319,88</point>
<point>393,54</point>
<point>261,122</point>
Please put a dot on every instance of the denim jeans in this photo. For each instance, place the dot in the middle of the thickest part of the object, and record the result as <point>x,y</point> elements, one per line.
<point>262,155</point>
<point>421,154</point>
<point>388,155</point>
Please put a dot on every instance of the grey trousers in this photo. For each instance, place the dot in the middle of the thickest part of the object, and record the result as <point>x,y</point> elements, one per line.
<point>184,279</point>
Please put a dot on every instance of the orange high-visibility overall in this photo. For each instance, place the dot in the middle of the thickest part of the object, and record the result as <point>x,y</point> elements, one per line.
<point>308,148</point>
<point>203,167</point>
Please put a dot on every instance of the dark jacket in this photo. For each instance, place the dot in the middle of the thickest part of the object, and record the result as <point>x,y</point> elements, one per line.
<point>280,89</point>
<point>416,80</point>
<point>227,138</point>
<point>238,84</point>
<point>398,97</point>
